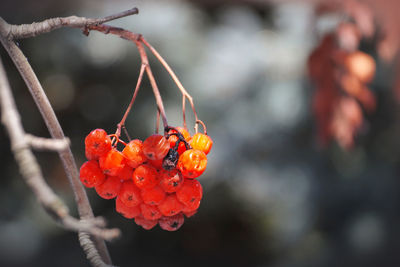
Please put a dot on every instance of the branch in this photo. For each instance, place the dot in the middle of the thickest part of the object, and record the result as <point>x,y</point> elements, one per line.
<point>40,143</point>
<point>47,112</point>
<point>32,173</point>
<point>13,32</point>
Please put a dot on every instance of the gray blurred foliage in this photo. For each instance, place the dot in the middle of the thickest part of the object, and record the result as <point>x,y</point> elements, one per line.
<point>272,196</point>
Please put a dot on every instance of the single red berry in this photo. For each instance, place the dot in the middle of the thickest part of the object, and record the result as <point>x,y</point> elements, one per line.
<point>155,147</point>
<point>125,173</point>
<point>146,224</point>
<point>110,188</point>
<point>90,174</point>
<point>173,139</point>
<point>150,212</point>
<point>156,163</point>
<point>192,163</point>
<point>127,212</point>
<point>153,196</point>
<point>170,206</point>
<point>171,223</point>
<point>145,176</point>
<point>97,143</point>
<point>130,194</point>
<point>190,194</point>
<point>133,152</point>
<point>112,162</point>
<point>201,142</point>
<point>171,180</point>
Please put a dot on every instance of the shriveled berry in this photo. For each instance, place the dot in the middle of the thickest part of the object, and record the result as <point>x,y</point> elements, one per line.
<point>146,224</point>
<point>127,212</point>
<point>171,223</point>
<point>173,139</point>
<point>170,160</point>
<point>171,180</point>
<point>110,188</point>
<point>150,212</point>
<point>155,147</point>
<point>97,143</point>
<point>112,162</point>
<point>170,206</point>
<point>90,174</point>
<point>153,196</point>
<point>190,194</point>
<point>192,163</point>
<point>145,176</point>
<point>201,142</point>
<point>130,194</point>
<point>133,152</point>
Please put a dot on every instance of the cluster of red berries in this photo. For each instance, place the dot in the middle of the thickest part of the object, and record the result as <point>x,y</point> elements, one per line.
<point>152,181</point>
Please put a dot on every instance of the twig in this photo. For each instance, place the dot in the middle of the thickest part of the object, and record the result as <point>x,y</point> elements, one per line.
<point>41,100</point>
<point>31,171</point>
<point>40,143</point>
<point>14,32</point>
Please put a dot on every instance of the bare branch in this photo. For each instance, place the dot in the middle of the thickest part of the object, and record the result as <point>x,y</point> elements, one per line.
<point>31,171</point>
<point>47,112</point>
<point>40,143</point>
<point>14,32</point>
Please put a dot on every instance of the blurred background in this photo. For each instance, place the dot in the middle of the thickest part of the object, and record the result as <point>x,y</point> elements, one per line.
<point>272,195</point>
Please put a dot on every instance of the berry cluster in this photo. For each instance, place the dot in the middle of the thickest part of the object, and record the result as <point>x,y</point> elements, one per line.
<point>152,181</point>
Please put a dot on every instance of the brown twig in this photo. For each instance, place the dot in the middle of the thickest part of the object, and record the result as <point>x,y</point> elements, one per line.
<point>31,172</point>
<point>13,32</point>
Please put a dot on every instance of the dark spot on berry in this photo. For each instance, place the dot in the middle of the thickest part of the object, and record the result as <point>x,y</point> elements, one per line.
<point>175,184</point>
<point>130,198</point>
<point>174,224</point>
<point>140,178</point>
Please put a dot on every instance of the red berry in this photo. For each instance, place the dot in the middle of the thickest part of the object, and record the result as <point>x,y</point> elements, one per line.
<point>97,143</point>
<point>145,176</point>
<point>201,142</point>
<point>190,194</point>
<point>192,163</point>
<point>155,147</point>
<point>130,194</point>
<point>146,224</point>
<point>90,174</point>
<point>153,196</point>
<point>133,152</point>
<point>171,180</point>
<point>127,212</point>
<point>110,188</point>
<point>171,223</point>
<point>150,212</point>
<point>112,162</point>
<point>170,206</point>
<point>156,163</point>
<point>125,173</point>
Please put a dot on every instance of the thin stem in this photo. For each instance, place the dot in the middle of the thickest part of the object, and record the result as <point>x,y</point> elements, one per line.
<point>158,122</point>
<point>173,75</point>
<point>153,83</point>
<point>122,122</point>
<point>184,112</point>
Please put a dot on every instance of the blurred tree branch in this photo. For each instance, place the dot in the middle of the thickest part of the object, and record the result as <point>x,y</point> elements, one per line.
<point>94,247</point>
